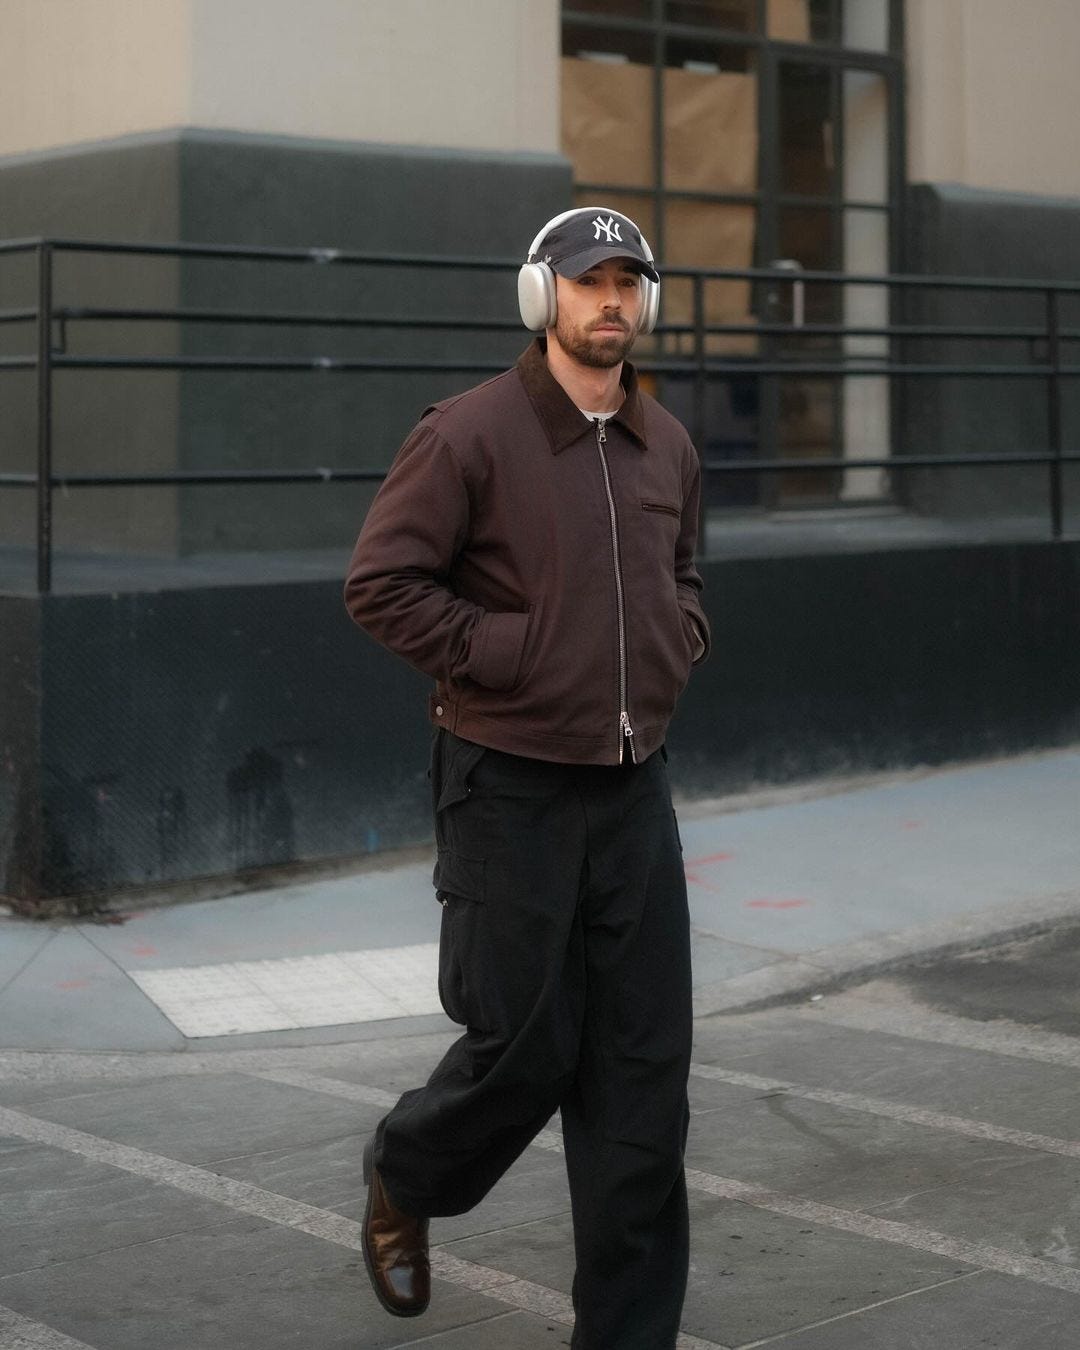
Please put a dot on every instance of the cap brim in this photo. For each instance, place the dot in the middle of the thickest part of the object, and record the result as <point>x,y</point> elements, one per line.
<point>577,263</point>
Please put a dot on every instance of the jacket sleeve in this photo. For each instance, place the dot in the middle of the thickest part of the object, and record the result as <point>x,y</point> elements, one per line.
<point>397,588</point>
<point>687,577</point>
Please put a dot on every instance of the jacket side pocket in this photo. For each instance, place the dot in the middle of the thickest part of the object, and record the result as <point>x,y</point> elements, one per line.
<point>498,646</point>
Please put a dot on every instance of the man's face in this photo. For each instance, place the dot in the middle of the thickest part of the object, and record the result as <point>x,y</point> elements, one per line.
<point>599,313</point>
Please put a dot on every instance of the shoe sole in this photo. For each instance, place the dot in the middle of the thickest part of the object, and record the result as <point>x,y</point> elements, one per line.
<point>368,1260</point>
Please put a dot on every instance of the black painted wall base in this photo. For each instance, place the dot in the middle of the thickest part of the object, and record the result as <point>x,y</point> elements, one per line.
<point>149,738</point>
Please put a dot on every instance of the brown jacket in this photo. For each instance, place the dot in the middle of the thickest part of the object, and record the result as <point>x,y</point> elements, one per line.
<point>539,567</point>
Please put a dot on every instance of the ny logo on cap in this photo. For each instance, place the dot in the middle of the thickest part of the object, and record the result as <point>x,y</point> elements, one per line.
<point>610,228</point>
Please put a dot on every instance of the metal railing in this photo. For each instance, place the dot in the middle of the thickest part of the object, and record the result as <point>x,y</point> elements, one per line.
<point>49,357</point>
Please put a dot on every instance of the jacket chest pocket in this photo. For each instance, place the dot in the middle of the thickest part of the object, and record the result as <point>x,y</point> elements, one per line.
<point>664,508</point>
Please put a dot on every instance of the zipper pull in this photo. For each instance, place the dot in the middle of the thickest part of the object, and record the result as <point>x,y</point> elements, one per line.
<point>625,727</point>
<point>601,434</point>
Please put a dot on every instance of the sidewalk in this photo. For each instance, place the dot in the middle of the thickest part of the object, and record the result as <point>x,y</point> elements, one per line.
<point>790,892</point>
<point>182,1171</point>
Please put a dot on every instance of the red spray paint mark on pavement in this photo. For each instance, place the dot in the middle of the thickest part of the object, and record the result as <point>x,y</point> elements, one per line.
<point>912,825</point>
<point>144,949</point>
<point>792,903</point>
<point>692,868</point>
<point>708,860</point>
<point>72,984</point>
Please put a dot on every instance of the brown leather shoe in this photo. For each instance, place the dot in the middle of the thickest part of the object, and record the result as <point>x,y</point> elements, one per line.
<point>395,1249</point>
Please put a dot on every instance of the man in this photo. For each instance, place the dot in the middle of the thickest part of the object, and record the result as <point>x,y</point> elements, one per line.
<point>532,551</point>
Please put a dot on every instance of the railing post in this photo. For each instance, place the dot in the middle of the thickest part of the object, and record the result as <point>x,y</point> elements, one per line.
<point>44,419</point>
<point>1053,412</point>
<point>700,393</point>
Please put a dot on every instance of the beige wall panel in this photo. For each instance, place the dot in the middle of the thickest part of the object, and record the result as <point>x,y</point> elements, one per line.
<point>993,94</point>
<point>79,70</point>
<point>470,74</point>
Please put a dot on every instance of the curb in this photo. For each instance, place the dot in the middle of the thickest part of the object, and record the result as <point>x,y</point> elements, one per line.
<point>833,968</point>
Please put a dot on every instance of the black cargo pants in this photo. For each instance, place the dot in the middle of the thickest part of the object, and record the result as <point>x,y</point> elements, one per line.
<point>565,953</point>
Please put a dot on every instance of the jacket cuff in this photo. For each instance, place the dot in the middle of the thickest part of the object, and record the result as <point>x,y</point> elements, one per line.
<point>497,648</point>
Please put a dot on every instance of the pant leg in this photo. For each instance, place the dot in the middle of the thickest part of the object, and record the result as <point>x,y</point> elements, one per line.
<point>626,1117</point>
<point>511,841</point>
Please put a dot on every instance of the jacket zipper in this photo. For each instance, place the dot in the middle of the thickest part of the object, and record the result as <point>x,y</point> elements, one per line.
<point>626,731</point>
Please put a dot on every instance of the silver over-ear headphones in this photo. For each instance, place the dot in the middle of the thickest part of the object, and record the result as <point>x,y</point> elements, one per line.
<point>536,281</point>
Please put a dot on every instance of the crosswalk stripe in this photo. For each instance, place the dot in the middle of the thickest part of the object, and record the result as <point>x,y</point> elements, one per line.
<point>1000,1037</point>
<point>978,1254</point>
<point>911,1115</point>
<point>20,1333</point>
<point>280,1209</point>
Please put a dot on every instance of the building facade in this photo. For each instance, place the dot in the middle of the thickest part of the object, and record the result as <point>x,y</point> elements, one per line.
<point>190,701</point>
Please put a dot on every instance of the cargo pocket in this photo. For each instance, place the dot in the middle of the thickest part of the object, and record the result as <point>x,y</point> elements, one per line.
<point>459,888</point>
<point>452,761</point>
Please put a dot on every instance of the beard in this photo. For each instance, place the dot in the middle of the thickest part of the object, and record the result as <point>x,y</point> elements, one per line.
<point>602,353</point>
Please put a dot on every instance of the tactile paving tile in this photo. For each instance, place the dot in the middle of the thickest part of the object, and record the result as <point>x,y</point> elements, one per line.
<point>296,991</point>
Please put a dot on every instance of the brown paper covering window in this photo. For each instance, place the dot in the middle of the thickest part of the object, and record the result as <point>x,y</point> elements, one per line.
<point>710,131</point>
<point>703,234</point>
<point>789,20</point>
<point>607,121</point>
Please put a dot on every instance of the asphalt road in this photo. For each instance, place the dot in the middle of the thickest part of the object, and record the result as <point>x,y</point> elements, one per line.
<point>1035,980</point>
<point>894,1167</point>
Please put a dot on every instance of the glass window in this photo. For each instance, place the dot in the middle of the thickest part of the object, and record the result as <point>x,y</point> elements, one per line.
<point>707,56</point>
<point>608,108</point>
<point>617,9</point>
<point>807,151</point>
<point>808,235</point>
<point>808,422</point>
<point>789,20</point>
<point>708,234</point>
<point>710,130</point>
<point>866,137</point>
<point>737,16</point>
<point>866,25</point>
<point>823,26</point>
<point>802,20</point>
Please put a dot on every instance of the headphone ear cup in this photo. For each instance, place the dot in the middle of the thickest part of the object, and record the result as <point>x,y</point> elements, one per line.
<point>536,296</point>
<point>650,307</point>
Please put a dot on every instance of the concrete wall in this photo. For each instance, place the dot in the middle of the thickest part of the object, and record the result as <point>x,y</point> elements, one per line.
<point>193,733</point>
<point>233,187</point>
<point>470,74</point>
<point>993,97</point>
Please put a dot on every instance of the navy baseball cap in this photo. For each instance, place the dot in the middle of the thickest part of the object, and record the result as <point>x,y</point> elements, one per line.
<point>588,238</point>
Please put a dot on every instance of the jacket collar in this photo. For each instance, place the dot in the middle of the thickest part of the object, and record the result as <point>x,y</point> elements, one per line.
<point>560,418</point>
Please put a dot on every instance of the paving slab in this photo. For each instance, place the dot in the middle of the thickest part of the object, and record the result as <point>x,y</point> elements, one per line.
<point>59,1208</point>
<point>520,1330</point>
<point>71,995</point>
<point>209,1119</point>
<point>752,1275</point>
<point>845,1158</point>
<point>797,1047</point>
<point>1029,1205</point>
<point>19,944</point>
<point>386,907</point>
<point>800,876</point>
<point>242,1285</point>
<point>974,1312</point>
